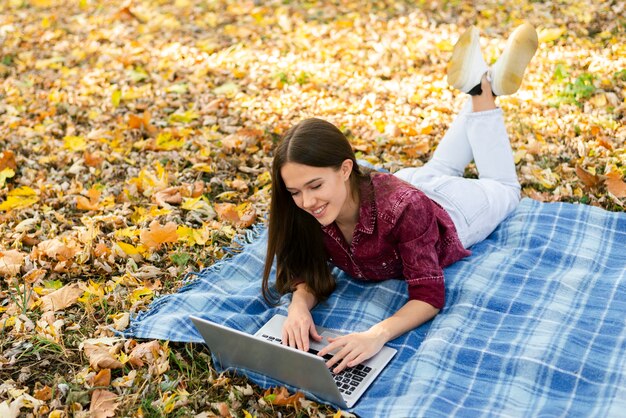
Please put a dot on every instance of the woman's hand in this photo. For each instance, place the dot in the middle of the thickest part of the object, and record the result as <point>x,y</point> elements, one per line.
<point>298,327</point>
<point>353,349</point>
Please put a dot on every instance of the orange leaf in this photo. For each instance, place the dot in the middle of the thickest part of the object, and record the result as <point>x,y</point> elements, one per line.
<point>242,216</point>
<point>588,179</point>
<point>103,378</point>
<point>92,204</point>
<point>103,404</point>
<point>7,160</point>
<point>92,160</point>
<point>43,394</point>
<point>615,185</point>
<point>158,234</point>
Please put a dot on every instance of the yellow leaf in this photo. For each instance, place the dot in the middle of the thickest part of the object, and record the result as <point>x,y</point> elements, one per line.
<point>203,167</point>
<point>166,141</point>
<point>139,294</point>
<point>116,97</point>
<point>264,178</point>
<point>550,34</point>
<point>185,117</point>
<point>246,414</point>
<point>444,45</point>
<point>19,198</point>
<point>75,143</point>
<point>128,248</point>
<point>5,174</point>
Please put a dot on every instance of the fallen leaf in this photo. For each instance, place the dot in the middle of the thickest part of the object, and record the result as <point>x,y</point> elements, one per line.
<point>167,197</point>
<point>5,174</point>
<point>103,378</point>
<point>19,198</point>
<point>144,353</point>
<point>11,262</point>
<point>43,394</point>
<point>61,298</point>
<point>615,185</point>
<point>7,160</point>
<point>588,179</point>
<point>74,143</point>
<point>55,249</point>
<point>100,357</point>
<point>280,397</point>
<point>92,160</point>
<point>158,234</point>
<point>103,404</point>
<point>242,215</point>
<point>82,203</point>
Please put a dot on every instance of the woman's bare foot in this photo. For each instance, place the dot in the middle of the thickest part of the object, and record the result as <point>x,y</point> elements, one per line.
<point>486,100</point>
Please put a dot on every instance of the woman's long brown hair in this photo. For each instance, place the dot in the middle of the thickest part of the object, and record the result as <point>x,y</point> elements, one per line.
<point>295,238</point>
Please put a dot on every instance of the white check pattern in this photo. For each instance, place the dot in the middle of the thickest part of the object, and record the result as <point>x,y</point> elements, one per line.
<point>534,322</point>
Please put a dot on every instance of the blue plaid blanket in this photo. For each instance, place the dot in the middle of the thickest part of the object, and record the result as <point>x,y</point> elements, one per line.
<point>534,322</point>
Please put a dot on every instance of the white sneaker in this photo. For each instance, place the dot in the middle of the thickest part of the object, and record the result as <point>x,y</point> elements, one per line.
<point>507,73</point>
<point>466,66</point>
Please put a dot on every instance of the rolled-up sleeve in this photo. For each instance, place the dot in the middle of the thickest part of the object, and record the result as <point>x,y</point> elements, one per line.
<point>417,233</point>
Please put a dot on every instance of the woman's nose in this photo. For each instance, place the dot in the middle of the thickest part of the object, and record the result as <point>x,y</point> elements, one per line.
<point>308,201</point>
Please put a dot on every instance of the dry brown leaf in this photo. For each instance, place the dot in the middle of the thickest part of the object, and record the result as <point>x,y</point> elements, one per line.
<point>145,352</point>
<point>158,234</point>
<point>103,404</point>
<point>61,298</point>
<point>167,197</point>
<point>56,249</point>
<point>222,409</point>
<point>100,358</point>
<point>282,398</point>
<point>615,185</point>
<point>588,179</point>
<point>11,262</point>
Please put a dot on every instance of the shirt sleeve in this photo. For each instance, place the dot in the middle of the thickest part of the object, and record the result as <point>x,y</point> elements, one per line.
<point>417,233</point>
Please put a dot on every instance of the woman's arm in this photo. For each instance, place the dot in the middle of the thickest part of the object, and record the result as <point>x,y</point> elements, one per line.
<point>299,325</point>
<point>357,347</point>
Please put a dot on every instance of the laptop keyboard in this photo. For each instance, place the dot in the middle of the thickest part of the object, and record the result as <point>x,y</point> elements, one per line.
<point>347,380</point>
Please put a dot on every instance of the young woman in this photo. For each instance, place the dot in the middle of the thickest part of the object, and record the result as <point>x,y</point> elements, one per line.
<point>377,226</point>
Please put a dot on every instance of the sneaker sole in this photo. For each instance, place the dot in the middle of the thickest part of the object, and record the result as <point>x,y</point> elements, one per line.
<point>519,51</point>
<point>458,66</point>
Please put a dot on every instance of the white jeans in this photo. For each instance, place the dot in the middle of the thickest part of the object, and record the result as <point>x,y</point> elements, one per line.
<point>476,206</point>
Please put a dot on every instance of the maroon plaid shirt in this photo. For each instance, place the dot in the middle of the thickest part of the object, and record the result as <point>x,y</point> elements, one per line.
<point>401,233</point>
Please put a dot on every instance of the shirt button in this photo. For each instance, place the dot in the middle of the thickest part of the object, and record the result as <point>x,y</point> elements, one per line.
<point>384,264</point>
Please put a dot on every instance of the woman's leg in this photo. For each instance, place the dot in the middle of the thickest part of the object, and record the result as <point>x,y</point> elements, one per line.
<point>451,156</point>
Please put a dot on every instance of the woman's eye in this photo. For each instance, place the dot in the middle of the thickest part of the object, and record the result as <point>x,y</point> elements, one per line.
<point>293,193</point>
<point>317,186</point>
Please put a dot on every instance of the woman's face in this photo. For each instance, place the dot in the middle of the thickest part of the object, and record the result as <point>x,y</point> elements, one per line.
<point>323,192</point>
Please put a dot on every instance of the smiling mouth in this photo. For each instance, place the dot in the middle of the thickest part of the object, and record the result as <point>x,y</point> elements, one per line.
<point>319,210</point>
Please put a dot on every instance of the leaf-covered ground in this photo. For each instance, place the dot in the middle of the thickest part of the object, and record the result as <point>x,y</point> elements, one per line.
<point>136,138</point>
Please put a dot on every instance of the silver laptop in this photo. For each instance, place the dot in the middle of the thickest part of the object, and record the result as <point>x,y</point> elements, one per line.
<point>264,353</point>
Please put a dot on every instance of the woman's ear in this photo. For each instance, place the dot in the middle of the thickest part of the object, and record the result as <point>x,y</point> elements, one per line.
<point>346,168</point>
